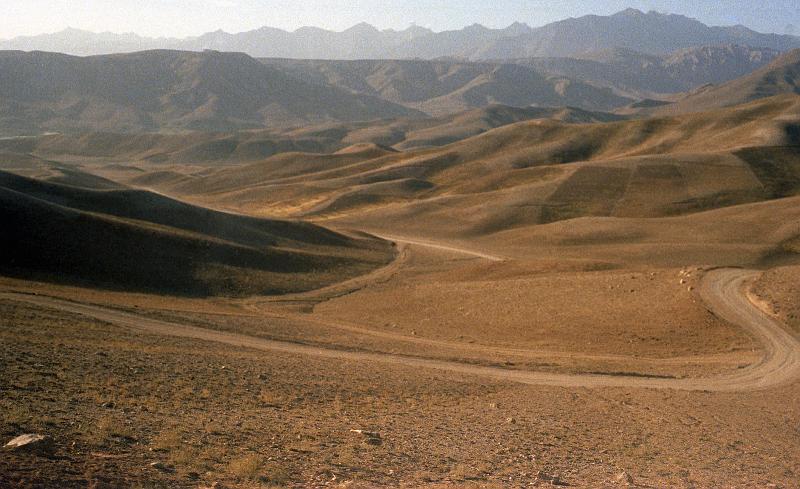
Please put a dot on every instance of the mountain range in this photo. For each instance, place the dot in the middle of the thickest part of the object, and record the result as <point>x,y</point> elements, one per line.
<point>440,87</point>
<point>167,90</point>
<point>214,91</point>
<point>780,77</point>
<point>650,33</point>
<point>641,75</point>
<point>630,64</point>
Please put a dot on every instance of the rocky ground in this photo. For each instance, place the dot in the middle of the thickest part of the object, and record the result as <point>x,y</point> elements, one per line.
<point>122,408</point>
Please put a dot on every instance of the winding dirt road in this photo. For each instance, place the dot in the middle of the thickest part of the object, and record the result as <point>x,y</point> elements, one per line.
<point>722,290</point>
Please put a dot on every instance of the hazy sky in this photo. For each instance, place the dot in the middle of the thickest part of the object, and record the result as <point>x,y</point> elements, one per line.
<point>180,18</point>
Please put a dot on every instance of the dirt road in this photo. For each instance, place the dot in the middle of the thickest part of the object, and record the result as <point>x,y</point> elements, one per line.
<point>443,247</point>
<point>723,291</point>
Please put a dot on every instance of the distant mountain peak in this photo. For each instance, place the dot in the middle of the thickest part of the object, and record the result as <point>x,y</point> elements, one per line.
<point>650,14</point>
<point>518,29</point>
<point>629,12</point>
<point>363,28</point>
<point>476,28</point>
<point>417,28</point>
<point>652,33</point>
<point>71,32</point>
<point>309,29</point>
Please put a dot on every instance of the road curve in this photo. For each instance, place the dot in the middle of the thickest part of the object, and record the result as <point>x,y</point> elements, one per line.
<point>723,290</point>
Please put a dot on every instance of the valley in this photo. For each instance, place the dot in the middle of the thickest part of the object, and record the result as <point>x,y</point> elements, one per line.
<point>483,258</point>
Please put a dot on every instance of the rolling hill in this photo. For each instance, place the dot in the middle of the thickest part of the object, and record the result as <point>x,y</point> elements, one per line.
<point>202,150</point>
<point>134,240</point>
<point>528,173</point>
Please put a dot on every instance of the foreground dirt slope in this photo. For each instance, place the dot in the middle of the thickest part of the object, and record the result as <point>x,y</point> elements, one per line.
<point>779,290</point>
<point>136,240</point>
<point>721,290</point>
<point>201,410</point>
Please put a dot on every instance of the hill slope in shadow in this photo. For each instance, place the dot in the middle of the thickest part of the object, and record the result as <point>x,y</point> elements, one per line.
<point>140,241</point>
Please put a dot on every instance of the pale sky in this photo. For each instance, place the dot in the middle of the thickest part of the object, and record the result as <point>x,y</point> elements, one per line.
<point>181,18</point>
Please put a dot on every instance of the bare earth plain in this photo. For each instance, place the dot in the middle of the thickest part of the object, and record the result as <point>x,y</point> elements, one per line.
<point>543,304</point>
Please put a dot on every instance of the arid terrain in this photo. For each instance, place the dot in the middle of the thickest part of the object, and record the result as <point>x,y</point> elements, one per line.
<point>528,267</point>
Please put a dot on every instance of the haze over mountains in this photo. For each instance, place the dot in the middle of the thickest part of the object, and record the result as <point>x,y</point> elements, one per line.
<point>780,77</point>
<point>442,87</point>
<point>651,33</point>
<point>637,74</point>
<point>592,63</point>
<point>212,91</point>
<point>170,90</point>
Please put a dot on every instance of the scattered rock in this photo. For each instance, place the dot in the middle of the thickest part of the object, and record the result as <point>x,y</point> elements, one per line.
<point>30,442</point>
<point>162,467</point>
<point>372,437</point>
<point>108,405</point>
<point>690,288</point>
<point>511,421</point>
<point>369,434</point>
<point>683,281</point>
<point>552,479</point>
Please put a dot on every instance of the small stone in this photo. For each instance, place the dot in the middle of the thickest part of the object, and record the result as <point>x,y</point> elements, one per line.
<point>511,421</point>
<point>552,479</point>
<point>372,437</point>
<point>32,442</point>
<point>161,467</point>
<point>368,434</point>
